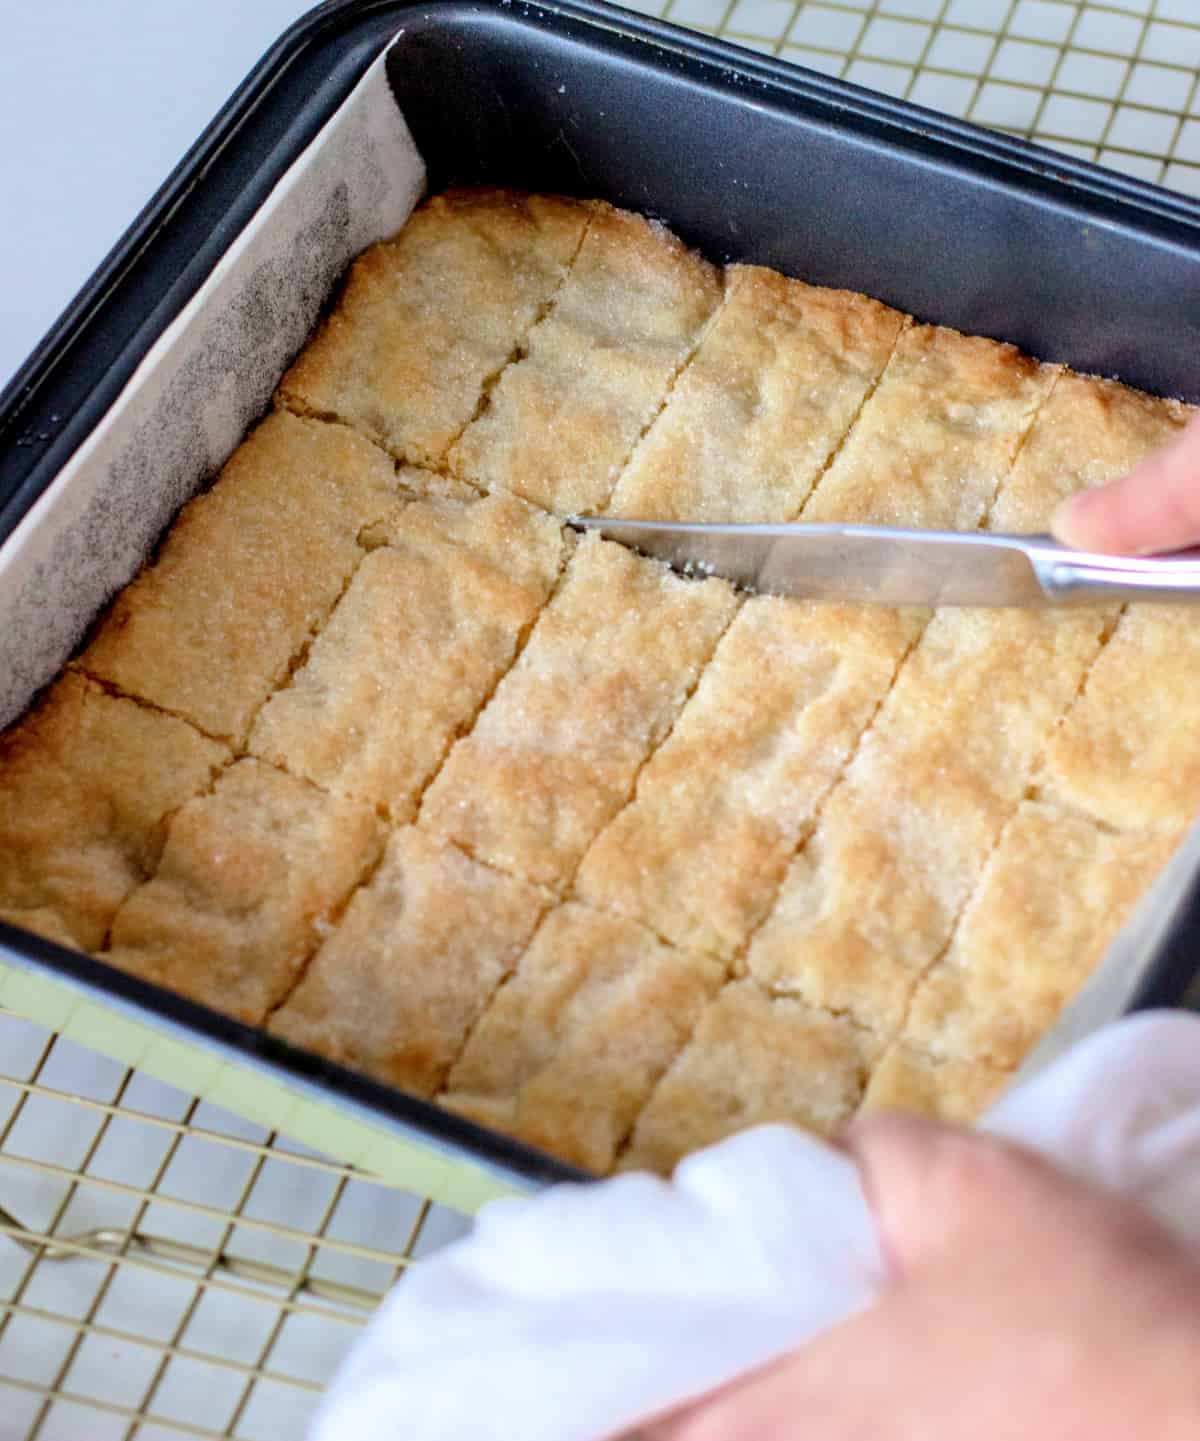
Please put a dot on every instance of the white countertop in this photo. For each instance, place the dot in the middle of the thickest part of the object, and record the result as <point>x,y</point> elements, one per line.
<point>98,101</point>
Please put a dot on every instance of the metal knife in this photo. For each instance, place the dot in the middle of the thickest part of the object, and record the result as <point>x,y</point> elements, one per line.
<point>906,567</point>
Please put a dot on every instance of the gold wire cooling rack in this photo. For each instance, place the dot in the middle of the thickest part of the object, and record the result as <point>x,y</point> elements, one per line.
<point>1108,80</point>
<point>168,1270</point>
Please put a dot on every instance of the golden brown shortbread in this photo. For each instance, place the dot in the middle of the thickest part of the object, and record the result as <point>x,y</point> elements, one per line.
<point>700,852</point>
<point>563,420</point>
<point>765,402</point>
<point>428,625</point>
<point>872,897</point>
<point>422,947</point>
<point>87,781</point>
<point>1126,753</point>
<point>247,573</point>
<point>251,879</point>
<point>1090,431</point>
<point>753,1059</point>
<point>1054,892</point>
<point>570,1049</point>
<point>949,1090</point>
<point>429,318</point>
<point>553,756</point>
<point>935,439</point>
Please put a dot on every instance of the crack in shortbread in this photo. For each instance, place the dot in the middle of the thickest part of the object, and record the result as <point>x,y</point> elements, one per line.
<point>427,318</point>
<point>433,618</point>
<point>165,823</point>
<point>518,353</point>
<point>752,1058</point>
<point>561,422</point>
<point>110,688</point>
<point>253,874</point>
<point>832,458</point>
<point>468,726</point>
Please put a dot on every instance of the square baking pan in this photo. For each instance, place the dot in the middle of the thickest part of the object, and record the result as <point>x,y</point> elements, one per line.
<point>747,159</point>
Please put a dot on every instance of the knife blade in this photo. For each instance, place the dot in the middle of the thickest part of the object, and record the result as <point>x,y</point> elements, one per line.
<point>885,566</point>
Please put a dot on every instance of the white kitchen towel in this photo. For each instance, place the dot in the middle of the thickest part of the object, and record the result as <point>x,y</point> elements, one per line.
<point>579,1312</point>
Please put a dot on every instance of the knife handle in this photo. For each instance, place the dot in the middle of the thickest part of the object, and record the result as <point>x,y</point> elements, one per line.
<point>1083,578</point>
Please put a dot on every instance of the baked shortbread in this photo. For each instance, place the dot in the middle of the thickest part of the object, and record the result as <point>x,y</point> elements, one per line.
<point>754,1059</point>
<point>873,896</point>
<point>770,394</point>
<point>246,575</point>
<point>700,851</point>
<point>568,1053</point>
<point>429,319</point>
<point>429,623</point>
<point>950,1089</point>
<point>377,755</point>
<point>87,781</point>
<point>563,419</point>
<point>553,758</point>
<point>252,876</point>
<point>394,990</point>
<point>1047,903</point>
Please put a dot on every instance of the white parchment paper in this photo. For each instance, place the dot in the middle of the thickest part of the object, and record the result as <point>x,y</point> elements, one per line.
<point>210,374</point>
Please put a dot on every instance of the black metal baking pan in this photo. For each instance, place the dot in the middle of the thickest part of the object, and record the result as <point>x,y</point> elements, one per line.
<point>747,159</point>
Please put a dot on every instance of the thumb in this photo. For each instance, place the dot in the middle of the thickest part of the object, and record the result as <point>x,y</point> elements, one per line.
<point>1155,507</point>
<point>936,1190</point>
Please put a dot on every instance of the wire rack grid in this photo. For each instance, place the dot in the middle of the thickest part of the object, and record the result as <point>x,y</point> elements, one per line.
<point>170,1271</point>
<point>1113,81</point>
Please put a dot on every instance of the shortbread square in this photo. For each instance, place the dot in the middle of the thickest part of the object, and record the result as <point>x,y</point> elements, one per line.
<point>87,782</point>
<point>563,420</point>
<point>567,1054</point>
<point>555,753</point>
<point>429,318</point>
<point>420,951</point>
<point>773,390</point>
<point>246,575</point>
<point>753,1059</point>
<point>428,625</point>
<point>252,877</point>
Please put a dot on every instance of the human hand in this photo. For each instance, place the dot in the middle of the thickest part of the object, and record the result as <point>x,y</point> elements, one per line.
<point>1021,1305</point>
<point>1155,507</point>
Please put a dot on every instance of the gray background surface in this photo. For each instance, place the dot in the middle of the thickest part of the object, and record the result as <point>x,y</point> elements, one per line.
<point>98,101</point>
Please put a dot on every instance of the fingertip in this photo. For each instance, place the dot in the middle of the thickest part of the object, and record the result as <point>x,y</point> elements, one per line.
<point>929,1183</point>
<point>1152,509</point>
<point>1112,519</point>
<point>1070,521</point>
<point>1100,520</point>
<point>894,1152</point>
<point>885,1126</point>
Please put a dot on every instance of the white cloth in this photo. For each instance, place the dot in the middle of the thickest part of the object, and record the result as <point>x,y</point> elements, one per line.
<point>580,1312</point>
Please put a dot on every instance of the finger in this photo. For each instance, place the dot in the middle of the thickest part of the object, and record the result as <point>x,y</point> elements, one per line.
<point>896,1154</point>
<point>674,1429</point>
<point>802,1396</point>
<point>935,1189</point>
<point>1155,507</point>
